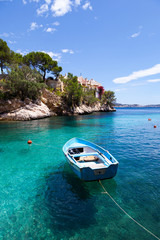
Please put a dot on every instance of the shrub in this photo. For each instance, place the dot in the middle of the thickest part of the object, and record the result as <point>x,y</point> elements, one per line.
<point>23,83</point>
<point>1,95</point>
<point>108,98</point>
<point>89,97</point>
<point>73,91</point>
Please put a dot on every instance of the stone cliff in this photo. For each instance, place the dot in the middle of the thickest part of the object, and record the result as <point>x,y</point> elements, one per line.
<point>49,105</point>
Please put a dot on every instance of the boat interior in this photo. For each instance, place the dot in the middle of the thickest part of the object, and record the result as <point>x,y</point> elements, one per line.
<point>89,157</point>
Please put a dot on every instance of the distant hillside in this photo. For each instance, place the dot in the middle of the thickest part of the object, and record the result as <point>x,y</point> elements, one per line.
<point>119,105</point>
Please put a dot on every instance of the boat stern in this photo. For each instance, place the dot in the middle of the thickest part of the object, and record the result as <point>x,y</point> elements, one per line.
<point>88,174</point>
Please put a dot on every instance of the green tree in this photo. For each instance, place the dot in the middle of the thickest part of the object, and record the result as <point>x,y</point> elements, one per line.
<point>16,58</point>
<point>89,97</point>
<point>56,71</point>
<point>73,91</point>
<point>41,61</point>
<point>5,55</point>
<point>108,98</point>
<point>23,83</point>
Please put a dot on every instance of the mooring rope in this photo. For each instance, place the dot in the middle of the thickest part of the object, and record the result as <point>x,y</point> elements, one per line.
<point>105,191</point>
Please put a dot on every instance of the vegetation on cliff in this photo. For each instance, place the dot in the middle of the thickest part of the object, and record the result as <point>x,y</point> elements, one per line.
<point>42,62</point>
<point>23,83</point>
<point>88,97</point>
<point>72,91</point>
<point>75,95</point>
<point>108,98</point>
<point>26,78</point>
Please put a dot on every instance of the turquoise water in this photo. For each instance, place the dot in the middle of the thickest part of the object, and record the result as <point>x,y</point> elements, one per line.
<point>41,198</point>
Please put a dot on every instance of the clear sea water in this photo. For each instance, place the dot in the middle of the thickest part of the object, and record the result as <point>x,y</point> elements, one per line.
<point>41,198</point>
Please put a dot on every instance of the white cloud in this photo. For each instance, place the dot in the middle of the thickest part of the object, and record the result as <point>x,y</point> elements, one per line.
<point>55,56</point>
<point>50,30</point>
<point>153,80</point>
<point>4,35</point>
<point>67,51</point>
<point>12,42</point>
<point>77,2</point>
<point>33,26</point>
<point>61,7</point>
<point>64,50</point>
<point>56,23</point>
<point>87,5</point>
<point>34,1</point>
<point>22,52</point>
<point>139,74</point>
<point>43,9</point>
<point>48,1</point>
<point>25,1</point>
<point>135,35</point>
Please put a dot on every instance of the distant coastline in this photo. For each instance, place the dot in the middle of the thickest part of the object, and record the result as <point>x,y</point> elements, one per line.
<point>119,105</point>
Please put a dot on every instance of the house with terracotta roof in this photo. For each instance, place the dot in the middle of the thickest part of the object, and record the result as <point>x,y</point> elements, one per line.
<point>85,83</point>
<point>90,84</point>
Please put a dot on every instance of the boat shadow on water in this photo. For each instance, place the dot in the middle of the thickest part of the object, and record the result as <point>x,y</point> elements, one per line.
<point>69,202</point>
<point>1,150</point>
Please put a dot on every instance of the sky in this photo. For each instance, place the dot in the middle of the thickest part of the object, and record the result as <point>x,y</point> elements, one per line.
<point>115,42</point>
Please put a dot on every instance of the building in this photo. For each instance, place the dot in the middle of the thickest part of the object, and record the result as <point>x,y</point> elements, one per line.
<point>57,84</point>
<point>90,84</point>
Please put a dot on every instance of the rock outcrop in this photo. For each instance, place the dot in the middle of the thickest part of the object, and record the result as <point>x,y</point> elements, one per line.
<point>84,109</point>
<point>52,101</point>
<point>30,111</point>
<point>49,105</point>
<point>10,105</point>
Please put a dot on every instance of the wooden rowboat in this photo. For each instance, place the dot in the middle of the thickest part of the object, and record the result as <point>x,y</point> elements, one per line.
<point>89,161</point>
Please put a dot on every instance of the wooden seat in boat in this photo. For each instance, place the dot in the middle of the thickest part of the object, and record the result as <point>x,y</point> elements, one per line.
<point>88,158</point>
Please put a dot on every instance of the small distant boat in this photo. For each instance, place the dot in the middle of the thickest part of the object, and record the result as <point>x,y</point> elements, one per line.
<point>89,161</point>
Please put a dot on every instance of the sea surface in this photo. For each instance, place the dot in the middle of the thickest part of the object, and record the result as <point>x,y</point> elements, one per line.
<point>41,198</point>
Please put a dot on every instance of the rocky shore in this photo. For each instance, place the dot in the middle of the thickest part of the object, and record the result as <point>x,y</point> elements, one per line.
<point>83,109</point>
<point>49,105</point>
<point>28,112</point>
